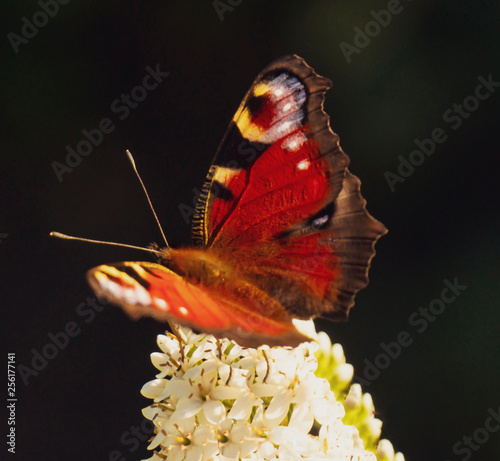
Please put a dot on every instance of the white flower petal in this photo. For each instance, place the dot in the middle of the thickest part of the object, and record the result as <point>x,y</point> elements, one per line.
<point>353,399</point>
<point>168,344</point>
<point>367,403</point>
<point>214,411</point>
<point>181,388</point>
<point>152,412</point>
<point>278,408</point>
<point>235,353</point>
<point>302,418</point>
<point>242,407</point>
<point>230,450</point>
<point>194,453</point>
<point>385,449</point>
<point>180,427</point>
<point>293,442</point>
<point>158,439</point>
<point>159,360</point>
<point>327,410</point>
<point>153,389</point>
<point>325,343</point>
<point>186,408</point>
<point>202,435</point>
<point>225,373</point>
<point>338,353</point>
<point>306,327</point>
<point>239,431</point>
<point>375,427</point>
<point>229,392</point>
<point>344,372</point>
<point>210,450</point>
<point>267,450</point>
<point>176,453</point>
<point>264,389</point>
<point>249,445</point>
<point>305,391</point>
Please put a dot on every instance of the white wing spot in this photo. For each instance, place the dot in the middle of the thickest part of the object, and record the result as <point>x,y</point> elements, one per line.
<point>110,286</point>
<point>303,164</point>
<point>183,310</point>
<point>161,303</point>
<point>285,126</point>
<point>287,107</point>
<point>320,221</point>
<point>293,142</point>
<point>136,295</point>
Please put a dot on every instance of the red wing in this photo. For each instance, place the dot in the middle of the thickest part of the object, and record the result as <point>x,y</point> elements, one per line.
<point>279,197</point>
<point>143,288</point>
<point>279,164</point>
<point>320,273</point>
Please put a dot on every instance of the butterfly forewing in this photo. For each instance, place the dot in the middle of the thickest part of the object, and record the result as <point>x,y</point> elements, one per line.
<point>278,164</point>
<point>148,289</point>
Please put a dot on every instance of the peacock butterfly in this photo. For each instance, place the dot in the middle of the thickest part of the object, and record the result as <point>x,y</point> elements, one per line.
<point>280,230</point>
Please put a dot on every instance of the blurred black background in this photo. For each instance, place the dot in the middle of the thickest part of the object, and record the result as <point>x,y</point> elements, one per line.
<point>442,220</point>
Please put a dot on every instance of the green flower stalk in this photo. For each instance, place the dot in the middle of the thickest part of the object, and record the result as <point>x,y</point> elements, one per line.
<point>358,406</point>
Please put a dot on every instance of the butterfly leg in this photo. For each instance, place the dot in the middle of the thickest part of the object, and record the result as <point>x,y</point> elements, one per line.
<point>175,331</point>
<point>230,375</point>
<point>219,348</point>
<point>267,363</point>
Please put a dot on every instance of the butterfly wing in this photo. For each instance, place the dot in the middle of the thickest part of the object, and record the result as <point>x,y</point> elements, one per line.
<point>280,198</point>
<point>278,165</point>
<point>319,274</point>
<point>148,289</point>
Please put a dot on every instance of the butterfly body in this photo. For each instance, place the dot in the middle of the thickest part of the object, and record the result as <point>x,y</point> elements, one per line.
<point>280,229</point>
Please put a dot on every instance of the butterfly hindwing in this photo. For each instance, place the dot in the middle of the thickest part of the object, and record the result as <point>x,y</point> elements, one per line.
<point>318,274</point>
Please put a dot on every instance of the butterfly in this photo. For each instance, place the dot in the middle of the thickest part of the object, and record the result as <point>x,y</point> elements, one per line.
<point>280,230</point>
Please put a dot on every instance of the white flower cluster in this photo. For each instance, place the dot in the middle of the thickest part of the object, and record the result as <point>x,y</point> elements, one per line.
<point>233,403</point>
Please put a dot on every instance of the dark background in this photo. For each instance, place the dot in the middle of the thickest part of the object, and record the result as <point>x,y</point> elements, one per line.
<point>442,221</point>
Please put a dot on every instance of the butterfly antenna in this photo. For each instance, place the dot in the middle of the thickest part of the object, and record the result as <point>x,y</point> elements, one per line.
<point>102,242</point>
<point>132,161</point>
